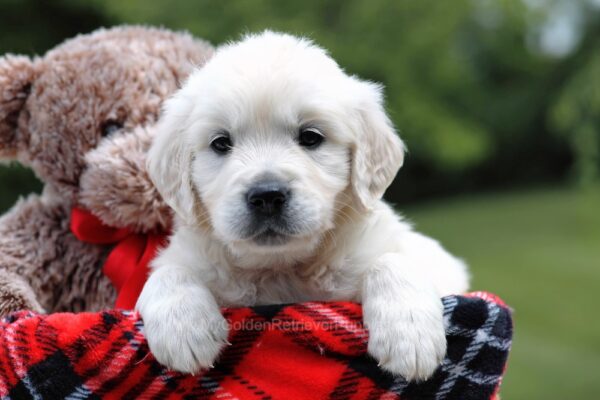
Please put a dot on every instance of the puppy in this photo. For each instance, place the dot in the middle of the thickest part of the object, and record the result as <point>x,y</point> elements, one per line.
<point>275,162</point>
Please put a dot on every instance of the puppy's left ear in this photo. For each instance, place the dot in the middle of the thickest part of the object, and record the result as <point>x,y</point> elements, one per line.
<point>378,152</point>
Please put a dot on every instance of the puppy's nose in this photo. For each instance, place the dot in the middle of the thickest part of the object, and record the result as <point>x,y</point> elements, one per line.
<point>268,198</point>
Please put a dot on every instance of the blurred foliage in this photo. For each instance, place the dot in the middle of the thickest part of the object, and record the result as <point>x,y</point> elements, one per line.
<point>34,26</point>
<point>15,181</point>
<point>577,116</point>
<point>477,102</point>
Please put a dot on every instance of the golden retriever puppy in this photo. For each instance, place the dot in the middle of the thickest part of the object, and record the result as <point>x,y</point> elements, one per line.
<point>275,162</point>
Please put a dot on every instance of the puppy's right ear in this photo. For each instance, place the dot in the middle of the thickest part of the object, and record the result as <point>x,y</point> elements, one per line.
<point>170,160</point>
<point>16,76</point>
<point>378,152</point>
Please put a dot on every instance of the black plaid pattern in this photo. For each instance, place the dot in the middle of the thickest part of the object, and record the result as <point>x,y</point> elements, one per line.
<point>53,378</point>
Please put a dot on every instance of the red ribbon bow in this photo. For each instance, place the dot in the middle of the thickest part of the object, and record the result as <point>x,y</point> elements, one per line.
<point>127,264</point>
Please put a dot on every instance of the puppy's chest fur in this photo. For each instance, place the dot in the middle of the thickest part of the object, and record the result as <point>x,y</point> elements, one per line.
<point>240,287</point>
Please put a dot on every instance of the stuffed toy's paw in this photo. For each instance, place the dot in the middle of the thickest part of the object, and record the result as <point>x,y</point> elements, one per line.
<point>16,294</point>
<point>299,351</point>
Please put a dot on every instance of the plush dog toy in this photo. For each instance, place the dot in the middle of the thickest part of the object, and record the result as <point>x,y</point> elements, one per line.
<point>81,117</point>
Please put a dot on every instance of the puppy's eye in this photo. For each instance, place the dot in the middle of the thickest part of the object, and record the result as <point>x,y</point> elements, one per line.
<point>310,138</point>
<point>110,126</point>
<point>221,145</point>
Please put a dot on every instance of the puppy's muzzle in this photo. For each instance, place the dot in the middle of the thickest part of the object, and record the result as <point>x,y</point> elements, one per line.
<point>268,198</point>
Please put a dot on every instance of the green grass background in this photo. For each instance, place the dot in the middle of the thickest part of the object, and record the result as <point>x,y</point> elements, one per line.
<point>540,251</point>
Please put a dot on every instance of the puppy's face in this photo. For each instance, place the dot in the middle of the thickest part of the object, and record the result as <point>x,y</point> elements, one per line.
<point>268,142</point>
<point>269,172</point>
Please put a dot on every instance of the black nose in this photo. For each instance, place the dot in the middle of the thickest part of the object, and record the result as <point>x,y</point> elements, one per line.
<point>267,198</point>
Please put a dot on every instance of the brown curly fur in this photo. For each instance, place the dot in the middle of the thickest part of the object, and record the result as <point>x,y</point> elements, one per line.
<point>53,111</point>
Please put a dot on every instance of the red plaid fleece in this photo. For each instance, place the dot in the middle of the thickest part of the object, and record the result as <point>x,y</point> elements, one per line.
<point>299,351</point>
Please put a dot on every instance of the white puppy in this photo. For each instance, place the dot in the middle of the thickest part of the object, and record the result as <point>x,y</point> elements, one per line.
<point>275,162</point>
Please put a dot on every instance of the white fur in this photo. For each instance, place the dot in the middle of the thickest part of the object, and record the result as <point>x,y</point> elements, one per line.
<point>344,243</point>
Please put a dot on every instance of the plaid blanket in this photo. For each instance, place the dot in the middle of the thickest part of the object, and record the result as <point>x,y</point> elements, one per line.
<point>298,351</point>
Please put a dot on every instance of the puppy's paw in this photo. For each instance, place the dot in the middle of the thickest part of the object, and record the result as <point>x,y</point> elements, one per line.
<point>187,343</point>
<point>406,342</point>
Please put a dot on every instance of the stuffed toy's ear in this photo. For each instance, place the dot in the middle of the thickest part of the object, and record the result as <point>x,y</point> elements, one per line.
<point>378,152</point>
<point>115,185</point>
<point>16,76</point>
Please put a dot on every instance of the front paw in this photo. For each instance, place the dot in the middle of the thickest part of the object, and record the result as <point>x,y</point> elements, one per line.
<point>186,343</point>
<point>407,342</point>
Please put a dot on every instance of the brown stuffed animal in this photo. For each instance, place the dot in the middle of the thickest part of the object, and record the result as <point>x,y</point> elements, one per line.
<point>82,118</point>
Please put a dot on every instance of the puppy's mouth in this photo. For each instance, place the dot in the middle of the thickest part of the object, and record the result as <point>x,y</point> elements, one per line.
<point>274,231</point>
<point>271,237</point>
